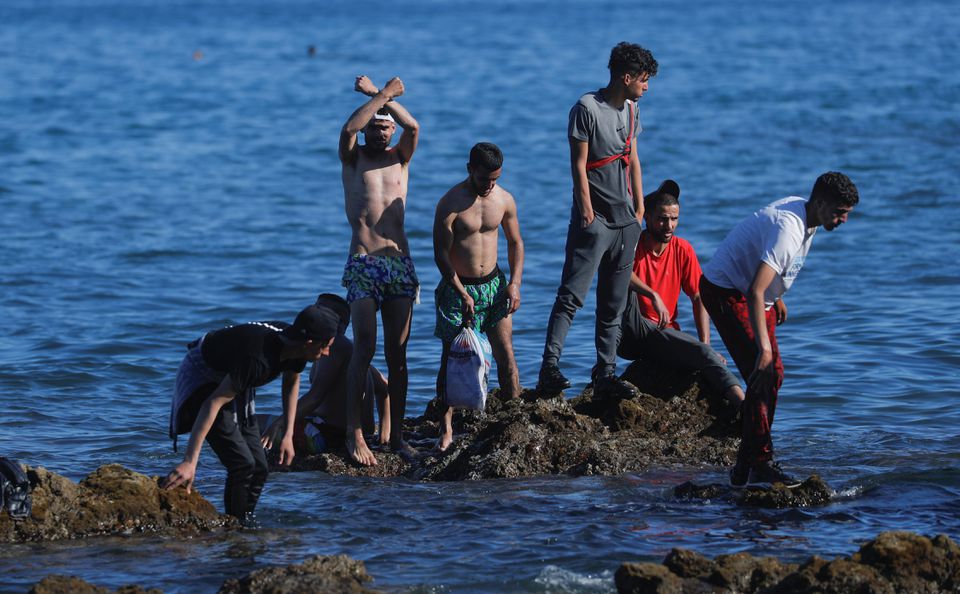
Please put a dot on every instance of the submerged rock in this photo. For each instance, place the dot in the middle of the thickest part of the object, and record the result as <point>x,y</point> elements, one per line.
<point>61,584</point>
<point>675,419</point>
<point>111,500</point>
<point>320,573</point>
<point>891,563</point>
<point>812,491</point>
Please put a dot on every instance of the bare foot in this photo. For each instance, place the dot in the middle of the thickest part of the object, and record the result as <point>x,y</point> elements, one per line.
<point>446,438</point>
<point>358,450</point>
<point>404,450</point>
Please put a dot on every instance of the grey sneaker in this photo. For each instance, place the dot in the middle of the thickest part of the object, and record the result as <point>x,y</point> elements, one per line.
<point>551,380</point>
<point>739,475</point>
<point>766,474</point>
<point>613,388</point>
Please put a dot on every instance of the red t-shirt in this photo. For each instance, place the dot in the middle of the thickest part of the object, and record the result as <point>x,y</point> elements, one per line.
<point>676,268</point>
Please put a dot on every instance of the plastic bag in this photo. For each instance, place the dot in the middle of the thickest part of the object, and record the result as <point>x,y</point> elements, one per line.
<point>468,367</point>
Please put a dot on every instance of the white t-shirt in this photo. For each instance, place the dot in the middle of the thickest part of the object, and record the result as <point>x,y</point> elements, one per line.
<point>777,235</point>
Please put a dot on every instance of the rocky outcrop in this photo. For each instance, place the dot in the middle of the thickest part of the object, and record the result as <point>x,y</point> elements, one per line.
<point>60,584</point>
<point>891,563</point>
<point>812,491</point>
<point>320,573</point>
<point>675,419</point>
<point>111,500</point>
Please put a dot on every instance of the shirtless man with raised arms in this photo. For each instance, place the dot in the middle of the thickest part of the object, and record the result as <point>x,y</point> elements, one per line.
<point>473,290</point>
<point>379,273</point>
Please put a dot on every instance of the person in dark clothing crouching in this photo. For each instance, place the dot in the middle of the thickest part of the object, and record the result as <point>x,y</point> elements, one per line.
<point>214,398</point>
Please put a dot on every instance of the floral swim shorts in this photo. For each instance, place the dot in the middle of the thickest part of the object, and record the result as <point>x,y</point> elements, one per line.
<point>380,277</point>
<point>490,304</point>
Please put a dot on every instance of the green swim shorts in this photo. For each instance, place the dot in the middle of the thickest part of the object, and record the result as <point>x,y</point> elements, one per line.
<point>490,304</point>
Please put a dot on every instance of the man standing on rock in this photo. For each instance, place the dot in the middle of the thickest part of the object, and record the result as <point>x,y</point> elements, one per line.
<point>605,217</point>
<point>743,287</point>
<point>214,398</point>
<point>663,266</point>
<point>379,273</point>
<point>473,289</point>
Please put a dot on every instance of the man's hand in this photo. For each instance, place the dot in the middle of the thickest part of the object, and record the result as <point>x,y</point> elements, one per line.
<point>467,309</point>
<point>513,297</point>
<point>183,474</point>
<point>764,373</point>
<point>365,85</point>
<point>286,450</point>
<point>781,309</point>
<point>393,88</point>
<point>266,440</point>
<point>586,219</point>
<point>662,311</point>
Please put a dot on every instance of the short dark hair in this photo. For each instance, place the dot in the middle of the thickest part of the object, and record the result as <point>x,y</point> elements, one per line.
<point>486,156</point>
<point>835,188</point>
<point>655,200</point>
<point>630,58</point>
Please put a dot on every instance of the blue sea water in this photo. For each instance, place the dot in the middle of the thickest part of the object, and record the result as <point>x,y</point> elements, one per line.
<point>167,168</point>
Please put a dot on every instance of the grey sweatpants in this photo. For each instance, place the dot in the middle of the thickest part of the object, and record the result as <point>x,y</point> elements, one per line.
<point>641,339</point>
<point>611,251</point>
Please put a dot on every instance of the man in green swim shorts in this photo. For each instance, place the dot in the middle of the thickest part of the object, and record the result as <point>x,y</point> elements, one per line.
<point>474,290</point>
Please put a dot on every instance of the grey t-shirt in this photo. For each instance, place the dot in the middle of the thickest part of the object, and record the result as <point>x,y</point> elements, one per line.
<point>605,129</point>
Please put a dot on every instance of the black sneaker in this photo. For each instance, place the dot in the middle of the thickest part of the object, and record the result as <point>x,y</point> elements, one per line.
<point>614,388</point>
<point>551,380</point>
<point>739,475</point>
<point>766,474</point>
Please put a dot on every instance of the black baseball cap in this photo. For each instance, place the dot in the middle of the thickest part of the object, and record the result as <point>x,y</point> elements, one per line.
<point>668,187</point>
<point>314,322</point>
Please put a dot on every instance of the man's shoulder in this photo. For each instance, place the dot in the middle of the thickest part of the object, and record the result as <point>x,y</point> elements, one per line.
<point>590,100</point>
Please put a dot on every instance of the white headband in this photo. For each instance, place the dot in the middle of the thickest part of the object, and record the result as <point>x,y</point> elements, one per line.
<point>381,116</point>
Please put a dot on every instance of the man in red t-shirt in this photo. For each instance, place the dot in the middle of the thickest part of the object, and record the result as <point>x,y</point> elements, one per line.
<point>662,267</point>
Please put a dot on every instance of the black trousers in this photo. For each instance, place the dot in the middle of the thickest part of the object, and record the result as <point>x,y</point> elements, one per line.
<point>239,450</point>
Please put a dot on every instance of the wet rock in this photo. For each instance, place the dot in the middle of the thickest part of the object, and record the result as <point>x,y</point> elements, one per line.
<point>61,584</point>
<point>111,500</point>
<point>812,491</point>
<point>674,420</point>
<point>891,563</point>
<point>318,574</point>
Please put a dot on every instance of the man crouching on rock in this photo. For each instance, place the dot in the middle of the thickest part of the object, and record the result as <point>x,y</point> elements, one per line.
<point>473,289</point>
<point>214,398</point>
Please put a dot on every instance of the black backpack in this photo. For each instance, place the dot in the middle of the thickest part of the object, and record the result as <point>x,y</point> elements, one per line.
<point>14,489</point>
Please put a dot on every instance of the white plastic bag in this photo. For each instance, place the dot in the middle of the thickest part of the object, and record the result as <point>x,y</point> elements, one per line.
<point>468,367</point>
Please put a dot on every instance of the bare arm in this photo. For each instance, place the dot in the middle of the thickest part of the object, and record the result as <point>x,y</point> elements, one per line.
<point>442,244</point>
<point>359,118</point>
<point>644,289</point>
<point>411,131</point>
<point>701,318</point>
<point>185,472</point>
<point>291,389</point>
<point>511,231</point>
<point>581,186</point>
<point>763,372</point>
<point>636,182</point>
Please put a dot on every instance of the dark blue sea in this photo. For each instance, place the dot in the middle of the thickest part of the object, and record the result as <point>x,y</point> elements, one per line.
<point>170,167</point>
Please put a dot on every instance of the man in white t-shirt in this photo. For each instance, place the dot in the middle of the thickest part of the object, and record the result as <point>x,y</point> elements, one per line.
<point>742,288</point>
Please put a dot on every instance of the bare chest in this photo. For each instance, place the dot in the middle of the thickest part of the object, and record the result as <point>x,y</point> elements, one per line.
<point>480,218</point>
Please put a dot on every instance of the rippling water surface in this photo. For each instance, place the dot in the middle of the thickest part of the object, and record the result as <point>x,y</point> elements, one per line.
<point>148,196</point>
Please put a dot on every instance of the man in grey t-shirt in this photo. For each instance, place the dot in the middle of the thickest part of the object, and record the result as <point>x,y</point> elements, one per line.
<point>605,218</point>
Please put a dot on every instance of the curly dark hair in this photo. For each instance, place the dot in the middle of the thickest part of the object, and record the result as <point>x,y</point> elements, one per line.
<point>630,58</point>
<point>835,188</point>
<point>486,156</point>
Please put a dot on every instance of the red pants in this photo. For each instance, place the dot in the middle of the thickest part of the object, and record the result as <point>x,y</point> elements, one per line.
<point>731,316</point>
